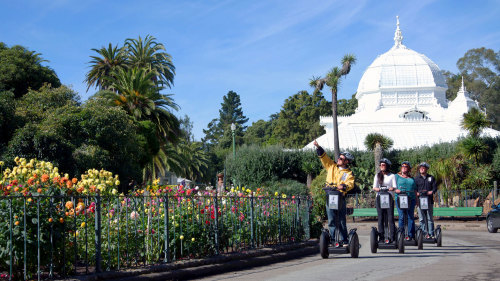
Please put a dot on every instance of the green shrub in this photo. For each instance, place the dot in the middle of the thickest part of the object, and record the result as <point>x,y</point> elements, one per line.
<point>286,186</point>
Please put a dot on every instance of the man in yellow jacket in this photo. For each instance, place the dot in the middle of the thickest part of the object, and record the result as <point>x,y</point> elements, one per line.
<point>341,176</point>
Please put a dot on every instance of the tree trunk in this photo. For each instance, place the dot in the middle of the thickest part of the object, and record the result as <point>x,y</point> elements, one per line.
<point>335,125</point>
<point>377,155</point>
<point>309,180</point>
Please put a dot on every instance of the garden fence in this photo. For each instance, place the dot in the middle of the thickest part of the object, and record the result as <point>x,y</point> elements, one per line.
<point>47,237</point>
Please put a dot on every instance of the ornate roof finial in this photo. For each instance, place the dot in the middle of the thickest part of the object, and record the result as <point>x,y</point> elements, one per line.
<point>398,36</point>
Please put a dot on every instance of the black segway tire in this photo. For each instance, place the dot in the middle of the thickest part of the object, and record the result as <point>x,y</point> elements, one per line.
<point>420,240</point>
<point>439,237</point>
<point>354,246</point>
<point>374,240</point>
<point>324,240</point>
<point>401,243</point>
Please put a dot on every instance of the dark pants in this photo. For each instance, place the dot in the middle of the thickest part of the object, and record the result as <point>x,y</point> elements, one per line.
<point>384,214</point>
<point>341,212</point>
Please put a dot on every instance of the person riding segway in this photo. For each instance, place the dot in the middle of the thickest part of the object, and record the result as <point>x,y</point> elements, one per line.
<point>405,198</point>
<point>384,183</point>
<point>426,188</point>
<point>339,181</point>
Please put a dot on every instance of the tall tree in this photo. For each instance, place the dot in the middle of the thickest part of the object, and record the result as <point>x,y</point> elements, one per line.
<point>480,68</point>
<point>149,54</point>
<point>109,61</point>
<point>332,80</point>
<point>377,143</point>
<point>21,70</point>
<point>298,120</point>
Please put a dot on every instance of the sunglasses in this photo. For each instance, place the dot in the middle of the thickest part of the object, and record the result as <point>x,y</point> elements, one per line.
<point>342,158</point>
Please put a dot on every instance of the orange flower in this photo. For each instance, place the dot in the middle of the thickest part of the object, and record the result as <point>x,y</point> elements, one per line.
<point>45,178</point>
<point>69,184</point>
<point>80,189</point>
<point>55,180</point>
<point>31,181</point>
<point>35,176</point>
<point>39,190</point>
<point>61,220</point>
<point>17,223</point>
<point>16,189</point>
<point>14,182</point>
<point>74,180</point>
<point>92,188</point>
<point>51,220</point>
<point>69,205</point>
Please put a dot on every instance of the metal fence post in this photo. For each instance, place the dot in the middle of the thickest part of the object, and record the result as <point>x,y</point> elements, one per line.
<point>252,221</point>
<point>279,219</point>
<point>166,221</point>
<point>98,234</point>
<point>216,211</point>
<point>495,187</point>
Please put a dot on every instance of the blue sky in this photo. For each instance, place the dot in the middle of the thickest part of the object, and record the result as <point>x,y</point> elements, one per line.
<point>265,51</point>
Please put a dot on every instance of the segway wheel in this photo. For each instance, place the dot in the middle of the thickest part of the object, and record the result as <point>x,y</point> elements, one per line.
<point>401,243</point>
<point>374,240</point>
<point>324,240</point>
<point>354,246</point>
<point>439,237</point>
<point>420,241</point>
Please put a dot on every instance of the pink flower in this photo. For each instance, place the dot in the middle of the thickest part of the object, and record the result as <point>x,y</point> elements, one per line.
<point>134,215</point>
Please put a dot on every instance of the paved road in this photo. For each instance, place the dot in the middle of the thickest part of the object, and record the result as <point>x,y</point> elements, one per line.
<point>467,255</point>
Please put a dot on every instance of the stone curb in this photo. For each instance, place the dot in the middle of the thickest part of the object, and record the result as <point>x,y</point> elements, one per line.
<point>182,270</point>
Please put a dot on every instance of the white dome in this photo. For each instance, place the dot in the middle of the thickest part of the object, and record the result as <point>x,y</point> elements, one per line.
<point>401,77</point>
<point>401,68</point>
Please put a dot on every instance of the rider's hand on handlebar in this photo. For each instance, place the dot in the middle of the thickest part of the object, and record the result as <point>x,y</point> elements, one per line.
<point>341,186</point>
<point>429,193</point>
<point>398,191</point>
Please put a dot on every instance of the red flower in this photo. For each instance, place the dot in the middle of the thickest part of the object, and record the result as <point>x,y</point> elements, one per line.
<point>207,222</point>
<point>202,211</point>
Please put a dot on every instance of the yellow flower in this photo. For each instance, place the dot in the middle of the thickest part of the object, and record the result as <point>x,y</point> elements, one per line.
<point>283,196</point>
<point>1,163</point>
<point>82,225</point>
<point>276,193</point>
<point>117,182</point>
<point>114,191</point>
<point>192,239</point>
<point>181,237</point>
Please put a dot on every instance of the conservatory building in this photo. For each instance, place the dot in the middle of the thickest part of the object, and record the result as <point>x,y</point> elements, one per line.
<point>402,95</point>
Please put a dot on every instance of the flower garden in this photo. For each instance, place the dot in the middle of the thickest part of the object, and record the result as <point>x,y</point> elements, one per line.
<point>56,226</point>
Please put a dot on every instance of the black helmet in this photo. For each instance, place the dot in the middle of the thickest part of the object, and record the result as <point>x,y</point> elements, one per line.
<point>407,163</point>
<point>386,161</point>
<point>348,156</point>
<point>424,164</point>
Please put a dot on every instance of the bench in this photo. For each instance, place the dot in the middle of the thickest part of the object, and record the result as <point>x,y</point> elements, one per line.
<point>438,212</point>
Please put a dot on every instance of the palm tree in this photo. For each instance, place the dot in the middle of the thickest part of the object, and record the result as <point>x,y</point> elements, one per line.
<point>473,148</point>
<point>165,159</point>
<point>474,122</point>
<point>377,143</point>
<point>102,67</point>
<point>332,80</point>
<point>149,54</point>
<point>135,91</point>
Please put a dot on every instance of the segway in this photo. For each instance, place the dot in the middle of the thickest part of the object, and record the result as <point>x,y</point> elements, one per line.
<point>424,232</point>
<point>403,233</point>
<point>384,196</point>
<point>334,201</point>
